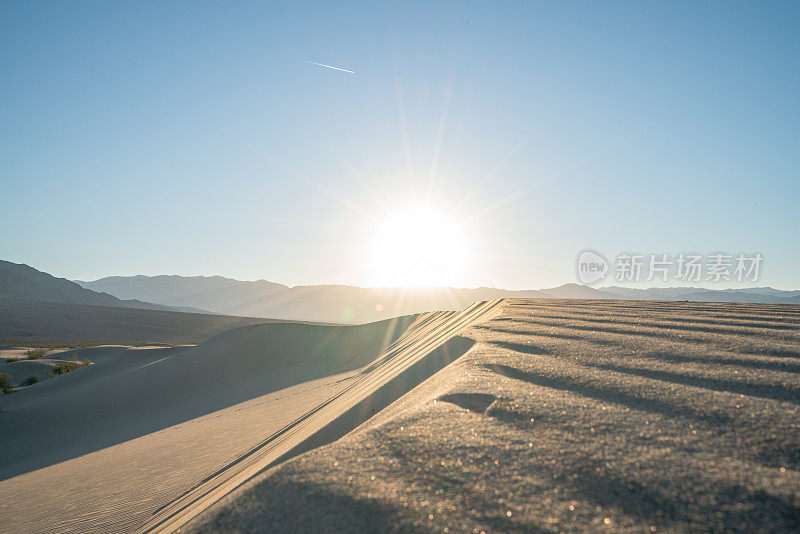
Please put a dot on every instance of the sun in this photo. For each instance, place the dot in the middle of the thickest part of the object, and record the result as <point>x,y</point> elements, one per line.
<point>418,245</point>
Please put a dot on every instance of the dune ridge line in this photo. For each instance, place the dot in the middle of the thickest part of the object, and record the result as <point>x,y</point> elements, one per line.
<point>424,336</point>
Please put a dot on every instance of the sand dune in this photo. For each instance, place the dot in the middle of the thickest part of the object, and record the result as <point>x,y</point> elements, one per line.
<point>522,415</point>
<point>139,428</point>
<point>41,369</point>
<point>567,416</point>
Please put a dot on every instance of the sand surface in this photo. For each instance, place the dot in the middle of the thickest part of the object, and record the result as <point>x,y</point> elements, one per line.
<point>42,368</point>
<point>567,416</point>
<point>103,448</point>
<point>523,415</point>
<point>18,353</point>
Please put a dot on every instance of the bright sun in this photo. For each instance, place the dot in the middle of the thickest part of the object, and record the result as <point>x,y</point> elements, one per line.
<point>419,245</point>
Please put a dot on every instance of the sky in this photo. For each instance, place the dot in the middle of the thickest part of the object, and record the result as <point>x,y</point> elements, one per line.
<point>198,138</point>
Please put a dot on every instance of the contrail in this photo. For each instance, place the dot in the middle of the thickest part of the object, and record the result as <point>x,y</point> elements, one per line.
<point>328,66</point>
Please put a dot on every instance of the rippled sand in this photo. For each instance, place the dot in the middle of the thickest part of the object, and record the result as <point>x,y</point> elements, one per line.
<point>568,416</point>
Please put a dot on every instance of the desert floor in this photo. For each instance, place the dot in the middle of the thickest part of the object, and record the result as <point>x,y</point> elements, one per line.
<point>518,415</point>
<point>102,448</point>
<point>567,416</point>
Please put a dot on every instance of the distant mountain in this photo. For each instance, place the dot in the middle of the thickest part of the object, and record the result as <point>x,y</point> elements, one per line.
<point>349,304</point>
<point>765,291</point>
<point>765,295</point>
<point>213,293</point>
<point>324,303</point>
<point>22,282</point>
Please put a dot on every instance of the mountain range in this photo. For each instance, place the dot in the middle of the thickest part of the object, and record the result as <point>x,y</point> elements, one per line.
<point>212,293</point>
<point>321,303</point>
<point>350,304</point>
<point>19,281</point>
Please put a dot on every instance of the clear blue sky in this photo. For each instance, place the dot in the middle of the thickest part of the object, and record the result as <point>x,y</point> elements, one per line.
<point>194,138</point>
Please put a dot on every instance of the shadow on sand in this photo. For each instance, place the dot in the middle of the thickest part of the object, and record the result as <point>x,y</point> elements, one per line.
<point>607,393</point>
<point>133,395</point>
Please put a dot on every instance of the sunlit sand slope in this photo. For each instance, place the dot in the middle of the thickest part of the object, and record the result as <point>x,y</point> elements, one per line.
<point>567,416</point>
<point>428,345</point>
<point>105,447</point>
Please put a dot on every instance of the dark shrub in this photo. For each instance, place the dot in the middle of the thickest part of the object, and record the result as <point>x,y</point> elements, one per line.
<point>66,367</point>
<point>31,380</point>
<point>35,354</point>
<point>5,383</point>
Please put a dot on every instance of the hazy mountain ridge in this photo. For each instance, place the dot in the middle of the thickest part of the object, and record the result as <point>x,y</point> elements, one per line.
<point>340,303</point>
<point>213,293</point>
<point>20,281</point>
<point>322,303</point>
<point>767,295</point>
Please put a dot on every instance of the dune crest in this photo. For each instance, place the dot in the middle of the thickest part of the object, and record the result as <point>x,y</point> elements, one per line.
<point>140,428</point>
